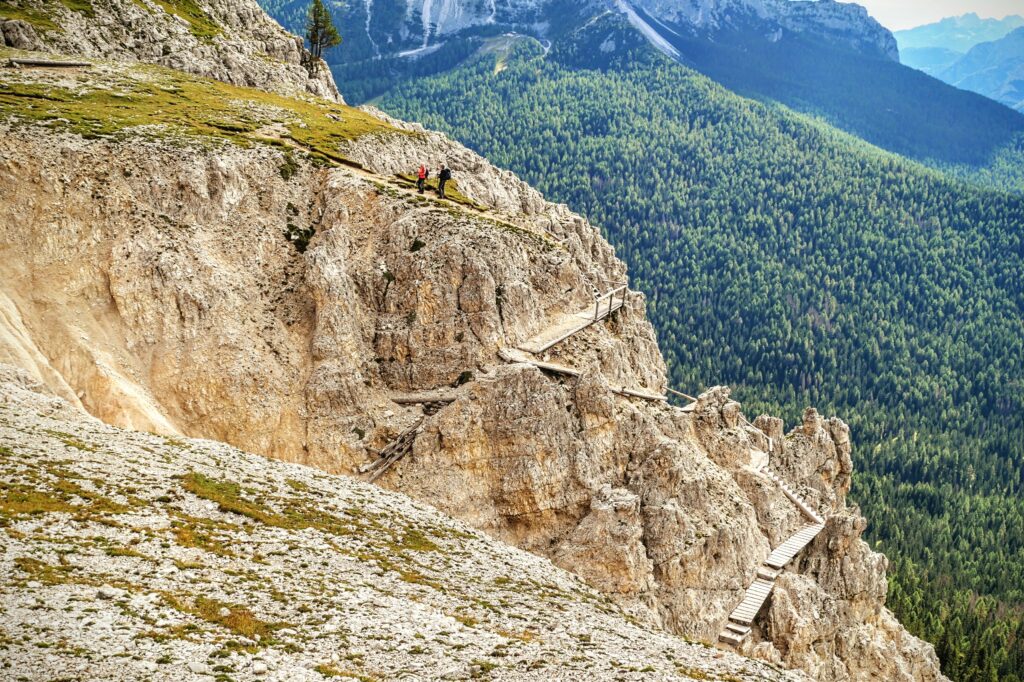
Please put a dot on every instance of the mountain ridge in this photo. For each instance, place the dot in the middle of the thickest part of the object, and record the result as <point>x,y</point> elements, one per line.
<point>958,34</point>
<point>994,69</point>
<point>825,264</point>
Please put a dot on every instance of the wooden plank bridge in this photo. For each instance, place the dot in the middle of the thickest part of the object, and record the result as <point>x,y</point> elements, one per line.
<point>434,400</point>
<point>516,356</point>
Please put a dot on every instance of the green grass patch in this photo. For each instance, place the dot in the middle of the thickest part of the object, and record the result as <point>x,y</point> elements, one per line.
<point>204,534</point>
<point>416,541</point>
<point>228,496</point>
<point>328,670</point>
<point>154,101</point>
<point>48,574</point>
<point>19,500</point>
<point>394,544</point>
<point>124,551</point>
<point>81,6</point>
<point>238,619</point>
<point>451,190</point>
<point>200,24</point>
<point>296,513</point>
<point>54,494</point>
<point>71,441</point>
<point>38,16</point>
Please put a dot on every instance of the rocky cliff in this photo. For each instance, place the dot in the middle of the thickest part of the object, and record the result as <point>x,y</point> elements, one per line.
<point>839,23</point>
<point>224,263</point>
<point>230,40</point>
<point>128,556</point>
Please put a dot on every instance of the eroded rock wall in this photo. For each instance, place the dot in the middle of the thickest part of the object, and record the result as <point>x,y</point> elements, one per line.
<point>155,283</point>
<point>228,40</point>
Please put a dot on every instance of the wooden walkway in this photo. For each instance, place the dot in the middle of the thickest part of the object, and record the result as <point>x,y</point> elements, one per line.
<point>514,355</point>
<point>604,305</point>
<point>737,628</point>
<point>796,499</point>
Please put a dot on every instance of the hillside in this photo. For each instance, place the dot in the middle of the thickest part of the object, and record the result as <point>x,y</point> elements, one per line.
<point>801,266</point>
<point>826,59</point>
<point>188,257</point>
<point>133,556</point>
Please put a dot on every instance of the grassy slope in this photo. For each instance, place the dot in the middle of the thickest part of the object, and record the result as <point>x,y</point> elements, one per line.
<point>152,100</point>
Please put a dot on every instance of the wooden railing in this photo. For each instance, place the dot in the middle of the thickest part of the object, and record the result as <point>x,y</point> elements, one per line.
<point>608,299</point>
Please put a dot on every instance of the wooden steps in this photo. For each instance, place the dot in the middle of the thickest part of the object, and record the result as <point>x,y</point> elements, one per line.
<point>643,395</point>
<point>785,552</point>
<point>394,451</point>
<point>515,355</point>
<point>752,602</point>
<point>730,637</point>
<point>794,497</point>
<point>737,629</point>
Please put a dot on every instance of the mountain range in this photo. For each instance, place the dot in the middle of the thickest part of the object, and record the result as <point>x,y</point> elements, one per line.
<point>183,255</point>
<point>833,269</point>
<point>983,56</point>
<point>826,58</point>
<point>199,238</point>
<point>956,34</point>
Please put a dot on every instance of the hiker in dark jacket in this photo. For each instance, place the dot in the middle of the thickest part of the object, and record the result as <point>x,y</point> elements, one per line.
<point>442,179</point>
<point>421,177</point>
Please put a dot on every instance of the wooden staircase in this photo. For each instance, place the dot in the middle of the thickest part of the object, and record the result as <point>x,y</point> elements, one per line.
<point>737,628</point>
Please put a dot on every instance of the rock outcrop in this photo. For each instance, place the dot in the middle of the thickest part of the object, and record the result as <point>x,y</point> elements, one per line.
<point>230,40</point>
<point>128,556</point>
<point>261,291</point>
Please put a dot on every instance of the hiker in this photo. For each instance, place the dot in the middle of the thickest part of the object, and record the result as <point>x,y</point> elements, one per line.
<point>421,177</point>
<point>443,177</point>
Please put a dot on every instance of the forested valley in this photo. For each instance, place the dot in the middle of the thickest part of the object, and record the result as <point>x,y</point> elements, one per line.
<point>802,266</point>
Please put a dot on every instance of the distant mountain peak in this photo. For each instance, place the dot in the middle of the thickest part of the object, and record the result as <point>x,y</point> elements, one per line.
<point>959,33</point>
<point>837,22</point>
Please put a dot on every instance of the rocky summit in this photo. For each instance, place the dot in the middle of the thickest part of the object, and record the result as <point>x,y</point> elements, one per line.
<point>186,256</point>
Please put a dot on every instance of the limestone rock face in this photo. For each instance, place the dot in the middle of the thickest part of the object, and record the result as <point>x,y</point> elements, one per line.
<point>228,40</point>
<point>154,283</point>
<point>343,565</point>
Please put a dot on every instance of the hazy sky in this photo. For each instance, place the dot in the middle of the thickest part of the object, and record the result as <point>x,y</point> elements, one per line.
<point>899,14</point>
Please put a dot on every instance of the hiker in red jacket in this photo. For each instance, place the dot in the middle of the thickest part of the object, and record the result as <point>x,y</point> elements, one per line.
<point>421,177</point>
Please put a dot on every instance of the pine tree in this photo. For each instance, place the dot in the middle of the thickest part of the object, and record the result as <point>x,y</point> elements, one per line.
<point>321,33</point>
